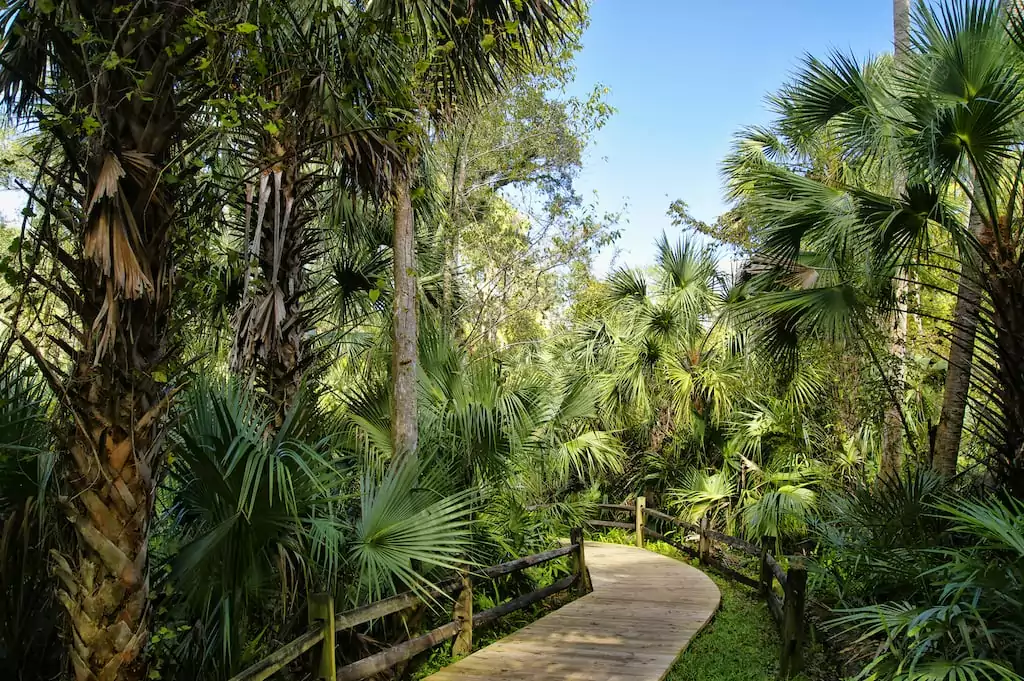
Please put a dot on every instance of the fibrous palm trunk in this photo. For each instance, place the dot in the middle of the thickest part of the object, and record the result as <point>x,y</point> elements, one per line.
<point>271,322</point>
<point>108,231</point>
<point>115,439</point>
<point>404,348</point>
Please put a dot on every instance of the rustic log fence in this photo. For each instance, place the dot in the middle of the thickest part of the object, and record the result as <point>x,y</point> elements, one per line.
<point>789,612</point>
<point>324,623</point>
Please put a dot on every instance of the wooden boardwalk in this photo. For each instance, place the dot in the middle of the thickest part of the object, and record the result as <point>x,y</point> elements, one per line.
<point>643,612</point>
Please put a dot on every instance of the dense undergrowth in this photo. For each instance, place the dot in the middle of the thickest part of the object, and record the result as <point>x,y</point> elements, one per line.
<point>304,299</point>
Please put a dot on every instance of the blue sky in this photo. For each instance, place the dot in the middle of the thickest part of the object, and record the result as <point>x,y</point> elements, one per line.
<point>685,75</point>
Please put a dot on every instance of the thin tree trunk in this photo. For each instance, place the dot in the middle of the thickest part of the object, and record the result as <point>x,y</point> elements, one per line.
<point>960,359</point>
<point>404,348</point>
<point>900,28</point>
<point>892,429</point>
<point>1005,285</point>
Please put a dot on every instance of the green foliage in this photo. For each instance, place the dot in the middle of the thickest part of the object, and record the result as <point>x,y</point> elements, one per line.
<point>258,519</point>
<point>29,648</point>
<point>966,622</point>
<point>739,644</point>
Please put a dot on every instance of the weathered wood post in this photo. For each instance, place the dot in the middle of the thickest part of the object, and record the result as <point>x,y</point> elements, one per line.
<point>765,575</point>
<point>579,564</point>
<point>641,504</point>
<point>463,614</point>
<point>792,662</point>
<point>321,609</point>
<point>704,540</point>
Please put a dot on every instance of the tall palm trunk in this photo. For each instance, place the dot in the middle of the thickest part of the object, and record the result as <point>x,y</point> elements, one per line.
<point>961,356</point>
<point>115,440</point>
<point>892,429</point>
<point>117,279</point>
<point>1005,285</point>
<point>271,323</point>
<point>404,352</point>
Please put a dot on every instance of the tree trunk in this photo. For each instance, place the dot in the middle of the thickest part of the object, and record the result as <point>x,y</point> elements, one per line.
<point>892,432</point>
<point>892,429</point>
<point>900,28</point>
<point>404,347</point>
<point>1005,285</point>
<point>960,359</point>
<point>270,324</point>
<point>115,444</point>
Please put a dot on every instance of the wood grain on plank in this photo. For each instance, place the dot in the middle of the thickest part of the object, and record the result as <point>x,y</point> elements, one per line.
<point>644,610</point>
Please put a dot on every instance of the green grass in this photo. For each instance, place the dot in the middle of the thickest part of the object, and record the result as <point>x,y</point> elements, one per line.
<point>740,644</point>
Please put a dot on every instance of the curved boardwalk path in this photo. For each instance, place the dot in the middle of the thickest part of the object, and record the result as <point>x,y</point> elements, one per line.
<point>643,612</point>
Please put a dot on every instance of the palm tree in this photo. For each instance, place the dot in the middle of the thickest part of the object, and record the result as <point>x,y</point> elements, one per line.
<point>311,130</point>
<point>951,119</point>
<point>892,432</point>
<point>461,52</point>
<point>259,521</point>
<point>110,94</point>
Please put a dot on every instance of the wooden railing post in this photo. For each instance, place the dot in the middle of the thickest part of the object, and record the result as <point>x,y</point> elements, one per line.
<point>463,644</point>
<point>765,575</point>
<point>704,543</point>
<point>321,609</point>
<point>641,504</point>
<point>792,662</point>
<point>579,564</point>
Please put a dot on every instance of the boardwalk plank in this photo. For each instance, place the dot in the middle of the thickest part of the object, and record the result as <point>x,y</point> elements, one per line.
<point>643,612</point>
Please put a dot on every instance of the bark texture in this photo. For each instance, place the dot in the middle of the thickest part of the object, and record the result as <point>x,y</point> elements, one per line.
<point>960,359</point>
<point>892,424</point>
<point>115,441</point>
<point>106,226</point>
<point>1006,287</point>
<point>404,348</point>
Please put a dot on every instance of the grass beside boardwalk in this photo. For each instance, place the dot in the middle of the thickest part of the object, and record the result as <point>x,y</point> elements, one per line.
<point>741,643</point>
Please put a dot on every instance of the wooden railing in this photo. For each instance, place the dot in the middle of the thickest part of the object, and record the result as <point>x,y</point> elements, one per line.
<point>324,623</point>
<point>789,611</point>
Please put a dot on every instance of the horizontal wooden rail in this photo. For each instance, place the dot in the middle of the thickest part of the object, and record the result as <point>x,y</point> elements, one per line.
<point>681,524</point>
<point>528,561</point>
<point>776,569</point>
<point>654,534</point>
<point>386,659</point>
<point>734,542</point>
<point>520,602</point>
<point>788,611</point>
<point>324,623</point>
<point>274,662</point>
